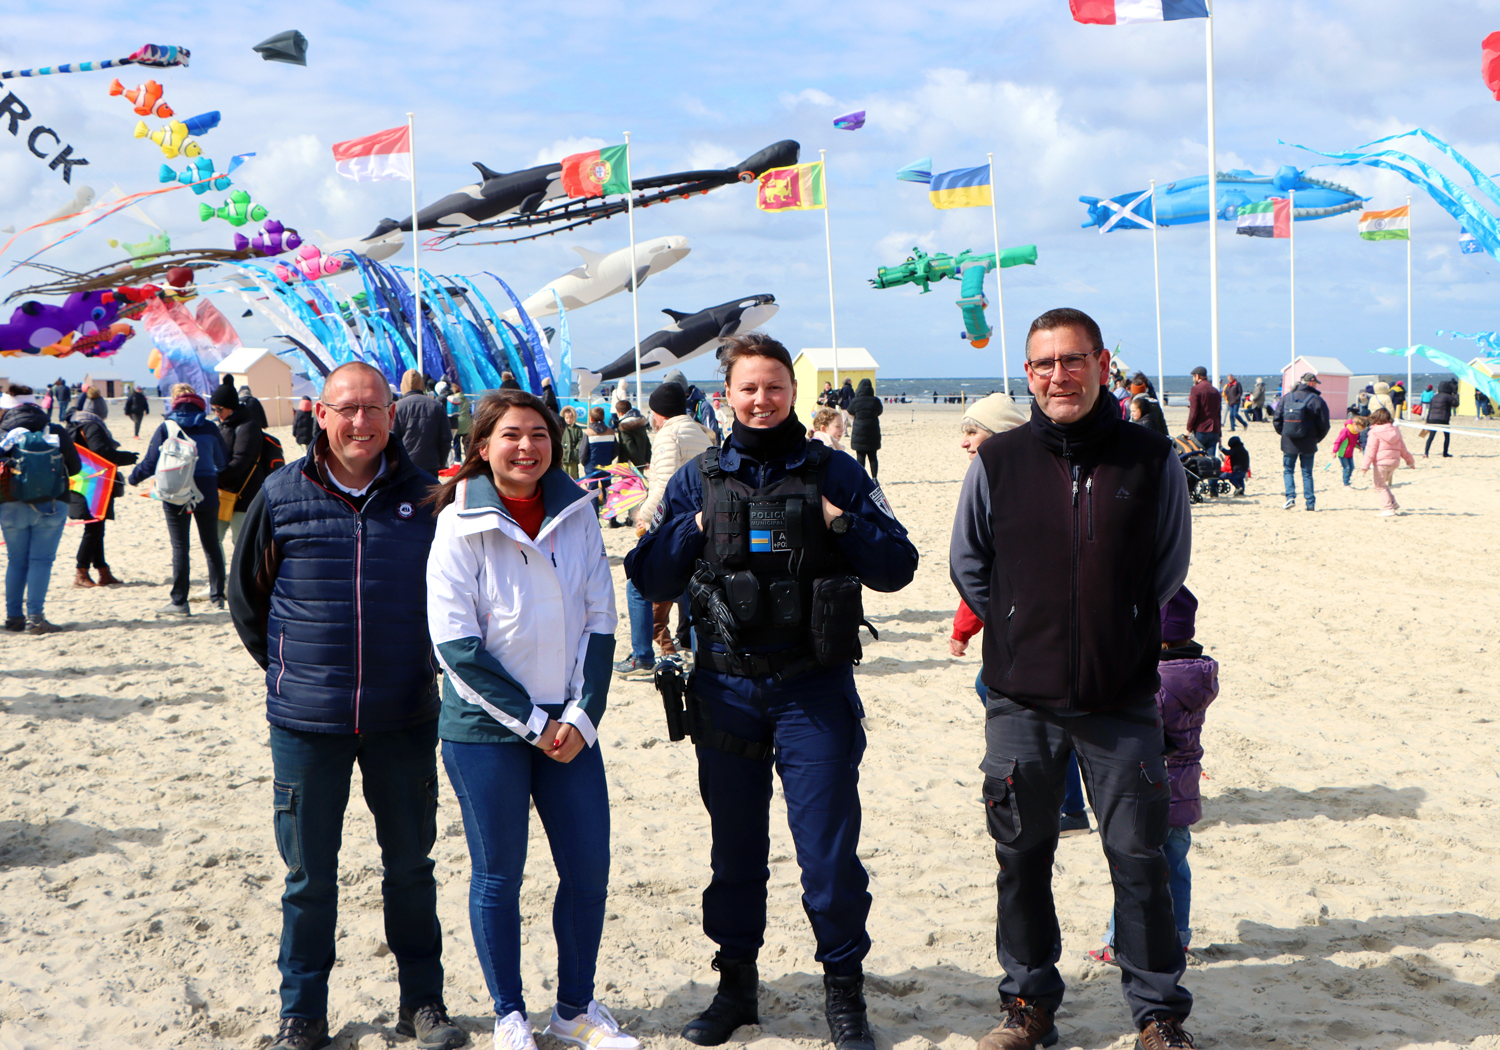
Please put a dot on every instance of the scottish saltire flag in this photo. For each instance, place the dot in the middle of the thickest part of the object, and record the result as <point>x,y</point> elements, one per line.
<point>1392,225</point>
<point>1124,12</point>
<point>961,188</point>
<point>1468,245</point>
<point>1267,218</point>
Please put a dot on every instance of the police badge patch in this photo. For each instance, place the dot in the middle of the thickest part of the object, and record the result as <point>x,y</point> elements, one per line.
<point>657,515</point>
<point>878,498</point>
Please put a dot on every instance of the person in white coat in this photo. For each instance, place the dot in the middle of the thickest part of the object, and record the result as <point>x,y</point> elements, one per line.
<point>520,606</point>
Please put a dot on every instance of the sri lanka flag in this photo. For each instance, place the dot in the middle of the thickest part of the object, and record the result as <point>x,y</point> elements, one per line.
<point>1123,12</point>
<point>961,188</point>
<point>1267,218</point>
<point>798,188</point>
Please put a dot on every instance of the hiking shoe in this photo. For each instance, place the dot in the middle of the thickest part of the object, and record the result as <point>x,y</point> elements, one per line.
<point>301,1033</point>
<point>1290,504</point>
<point>15,623</point>
<point>173,609</point>
<point>633,669</point>
<point>594,1029</point>
<point>1164,1032</point>
<point>431,1025</point>
<point>1073,824</point>
<point>39,625</point>
<point>844,1007</point>
<point>513,1032</point>
<point>1024,1028</point>
<point>735,1003</point>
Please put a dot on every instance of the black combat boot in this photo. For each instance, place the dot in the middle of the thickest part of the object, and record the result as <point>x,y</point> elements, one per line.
<point>734,1005</point>
<point>844,1006</point>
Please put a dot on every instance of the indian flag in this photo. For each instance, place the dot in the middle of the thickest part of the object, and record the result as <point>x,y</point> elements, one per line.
<point>1267,218</point>
<point>1393,225</point>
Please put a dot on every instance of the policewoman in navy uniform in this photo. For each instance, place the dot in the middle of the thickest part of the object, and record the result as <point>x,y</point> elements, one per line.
<point>772,536</point>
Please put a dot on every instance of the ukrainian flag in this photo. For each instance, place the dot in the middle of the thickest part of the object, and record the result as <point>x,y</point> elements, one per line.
<point>962,188</point>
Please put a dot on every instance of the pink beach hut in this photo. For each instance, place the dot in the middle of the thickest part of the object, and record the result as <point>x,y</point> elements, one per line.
<point>1334,385</point>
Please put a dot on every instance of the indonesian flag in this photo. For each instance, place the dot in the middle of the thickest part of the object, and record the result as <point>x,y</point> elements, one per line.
<point>375,158</point>
<point>1267,218</point>
<point>1124,12</point>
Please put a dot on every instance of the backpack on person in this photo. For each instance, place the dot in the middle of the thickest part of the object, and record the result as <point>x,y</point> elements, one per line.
<point>34,470</point>
<point>1293,423</point>
<point>177,459</point>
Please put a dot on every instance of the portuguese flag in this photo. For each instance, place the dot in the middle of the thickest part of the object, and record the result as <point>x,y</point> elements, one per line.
<point>595,174</point>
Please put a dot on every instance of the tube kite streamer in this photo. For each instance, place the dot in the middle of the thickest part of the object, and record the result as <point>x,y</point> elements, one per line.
<point>156,56</point>
<point>1473,376</point>
<point>1186,200</point>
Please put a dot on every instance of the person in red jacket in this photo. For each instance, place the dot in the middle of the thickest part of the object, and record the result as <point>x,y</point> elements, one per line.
<point>1204,406</point>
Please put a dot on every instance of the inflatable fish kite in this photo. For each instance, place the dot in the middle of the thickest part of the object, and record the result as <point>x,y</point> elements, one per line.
<point>202,124</point>
<point>601,276</point>
<point>1186,200</point>
<point>144,98</point>
<point>273,239</point>
<point>535,197</point>
<point>236,211</point>
<point>172,137</point>
<point>156,56</point>
<point>199,175</point>
<point>153,245</point>
<point>688,336</point>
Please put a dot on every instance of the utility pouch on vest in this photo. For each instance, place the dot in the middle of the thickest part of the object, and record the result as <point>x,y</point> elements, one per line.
<point>732,530</point>
<point>710,605</point>
<point>786,603</point>
<point>743,591</point>
<point>838,611</point>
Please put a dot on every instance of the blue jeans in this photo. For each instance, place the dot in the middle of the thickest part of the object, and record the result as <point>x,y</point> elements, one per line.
<point>1234,416</point>
<point>1236,478</point>
<point>206,517</point>
<point>1073,801</point>
<point>1209,441</point>
<point>1288,461</point>
<point>312,771</point>
<point>1347,462</point>
<point>495,785</point>
<point>1180,879</point>
<point>641,627</point>
<point>32,532</point>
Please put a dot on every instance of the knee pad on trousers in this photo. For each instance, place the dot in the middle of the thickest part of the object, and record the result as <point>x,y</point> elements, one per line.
<point>1145,927</point>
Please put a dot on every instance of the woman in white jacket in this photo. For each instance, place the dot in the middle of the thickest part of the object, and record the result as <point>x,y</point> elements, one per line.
<point>521,609</point>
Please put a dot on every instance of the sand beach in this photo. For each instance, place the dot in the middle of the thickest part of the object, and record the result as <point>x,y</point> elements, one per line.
<point>1345,887</point>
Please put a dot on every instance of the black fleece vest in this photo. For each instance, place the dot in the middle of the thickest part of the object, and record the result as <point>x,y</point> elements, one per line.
<point>1073,622</point>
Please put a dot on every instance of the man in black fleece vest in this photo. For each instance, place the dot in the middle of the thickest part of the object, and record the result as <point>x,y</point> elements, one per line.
<point>1072,531</point>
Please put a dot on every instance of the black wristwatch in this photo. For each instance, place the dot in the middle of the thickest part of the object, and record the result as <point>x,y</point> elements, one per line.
<point>839,525</point>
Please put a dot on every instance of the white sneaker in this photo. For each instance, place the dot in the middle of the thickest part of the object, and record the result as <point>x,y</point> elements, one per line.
<point>1387,514</point>
<point>595,1029</point>
<point>1289,504</point>
<point>513,1032</point>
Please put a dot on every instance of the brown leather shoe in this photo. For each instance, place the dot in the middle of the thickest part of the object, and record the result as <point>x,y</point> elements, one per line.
<point>83,579</point>
<point>1164,1032</point>
<point>107,578</point>
<point>1024,1028</point>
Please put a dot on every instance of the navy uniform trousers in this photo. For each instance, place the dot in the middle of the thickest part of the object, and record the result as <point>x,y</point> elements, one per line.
<point>813,721</point>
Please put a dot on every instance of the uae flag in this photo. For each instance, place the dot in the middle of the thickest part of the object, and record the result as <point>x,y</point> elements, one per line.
<point>596,173</point>
<point>375,158</point>
<point>1267,218</point>
<point>1392,225</point>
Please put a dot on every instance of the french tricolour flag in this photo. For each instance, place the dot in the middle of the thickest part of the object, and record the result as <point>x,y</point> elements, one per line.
<point>383,155</point>
<point>1123,12</point>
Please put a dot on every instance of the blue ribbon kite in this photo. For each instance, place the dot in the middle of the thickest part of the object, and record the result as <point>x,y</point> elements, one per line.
<point>1475,378</point>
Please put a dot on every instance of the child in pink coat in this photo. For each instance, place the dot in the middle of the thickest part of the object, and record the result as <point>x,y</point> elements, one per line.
<point>1384,450</point>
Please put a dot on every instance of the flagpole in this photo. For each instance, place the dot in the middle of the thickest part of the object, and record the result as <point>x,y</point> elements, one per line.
<point>416,257</point>
<point>1408,301</point>
<point>1213,203</point>
<point>635,295</point>
<point>1291,232</point>
<point>833,330</point>
<point>999,291</point>
<point>1161,379</point>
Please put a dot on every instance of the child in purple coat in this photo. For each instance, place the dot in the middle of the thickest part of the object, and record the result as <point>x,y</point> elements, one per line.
<point>1189,683</point>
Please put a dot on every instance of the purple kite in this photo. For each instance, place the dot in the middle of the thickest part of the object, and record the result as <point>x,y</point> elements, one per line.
<point>850,121</point>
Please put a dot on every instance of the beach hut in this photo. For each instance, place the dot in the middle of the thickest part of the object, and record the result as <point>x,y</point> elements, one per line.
<point>813,367</point>
<point>268,377</point>
<point>110,384</point>
<point>1490,367</point>
<point>1334,381</point>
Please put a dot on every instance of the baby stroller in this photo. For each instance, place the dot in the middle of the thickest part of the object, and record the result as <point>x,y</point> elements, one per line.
<point>1203,473</point>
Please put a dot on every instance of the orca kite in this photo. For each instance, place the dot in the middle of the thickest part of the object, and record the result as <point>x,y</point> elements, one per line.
<point>688,336</point>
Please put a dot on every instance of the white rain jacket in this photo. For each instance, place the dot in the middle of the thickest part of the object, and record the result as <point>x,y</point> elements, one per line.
<point>519,622</point>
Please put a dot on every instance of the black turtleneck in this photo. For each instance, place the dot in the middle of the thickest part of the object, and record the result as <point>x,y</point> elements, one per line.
<point>1076,439</point>
<point>770,443</point>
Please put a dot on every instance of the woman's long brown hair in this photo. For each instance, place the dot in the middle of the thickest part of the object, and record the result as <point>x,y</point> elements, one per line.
<point>493,407</point>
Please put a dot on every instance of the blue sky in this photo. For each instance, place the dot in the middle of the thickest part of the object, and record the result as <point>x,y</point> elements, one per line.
<point>1067,110</point>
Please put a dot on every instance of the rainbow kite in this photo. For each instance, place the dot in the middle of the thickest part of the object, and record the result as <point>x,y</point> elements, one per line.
<point>95,482</point>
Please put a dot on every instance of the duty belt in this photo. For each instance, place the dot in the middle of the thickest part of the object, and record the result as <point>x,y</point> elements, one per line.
<point>782,665</point>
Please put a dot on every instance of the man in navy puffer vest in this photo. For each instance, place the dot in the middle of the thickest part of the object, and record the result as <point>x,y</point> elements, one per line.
<point>328,593</point>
